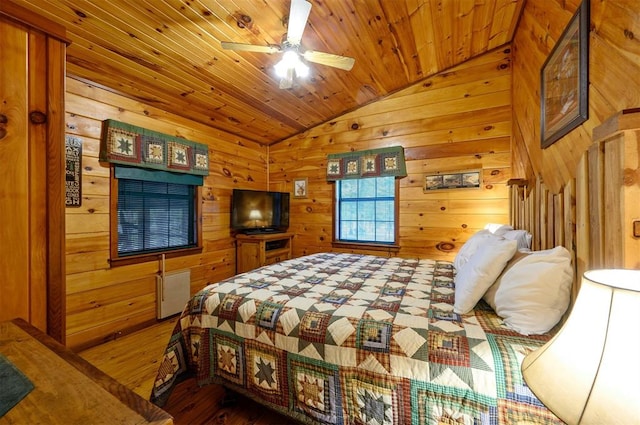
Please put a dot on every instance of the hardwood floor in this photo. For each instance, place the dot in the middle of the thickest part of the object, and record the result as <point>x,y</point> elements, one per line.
<point>133,361</point>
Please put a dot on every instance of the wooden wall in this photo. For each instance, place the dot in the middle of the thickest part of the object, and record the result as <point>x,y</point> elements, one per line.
<point>103,301</point>
<point>456,120</point>
<point>596,214</point>
<point>614,81</point>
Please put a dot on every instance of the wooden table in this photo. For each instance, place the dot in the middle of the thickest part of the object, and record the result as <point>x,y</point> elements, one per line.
<point>68,389</point>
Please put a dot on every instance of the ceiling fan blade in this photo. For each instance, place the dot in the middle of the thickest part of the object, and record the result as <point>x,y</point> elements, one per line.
<point>336,61</point>
<point>298,15</point>
<point>249,47</point>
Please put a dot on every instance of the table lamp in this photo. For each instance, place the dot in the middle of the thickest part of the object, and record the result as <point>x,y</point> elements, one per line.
<point>255,215</point>
<point>589,372</point>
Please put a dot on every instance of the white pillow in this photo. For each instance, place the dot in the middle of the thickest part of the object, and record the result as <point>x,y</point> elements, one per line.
<point>479,273</point>
<point>498,229</point>
<point>470,247</point>
<point>533,291</point>
<point>521,236</point>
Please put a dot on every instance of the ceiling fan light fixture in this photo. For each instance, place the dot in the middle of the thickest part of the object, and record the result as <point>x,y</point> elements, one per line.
<point>291,65</point>
<point>291,61</point>
<point>302,70</point>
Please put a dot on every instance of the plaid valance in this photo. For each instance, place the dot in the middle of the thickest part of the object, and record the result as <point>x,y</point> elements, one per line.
<point>369,163</point>
<point>138,147</point>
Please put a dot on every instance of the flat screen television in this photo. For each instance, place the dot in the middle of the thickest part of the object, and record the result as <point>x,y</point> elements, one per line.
<point>259,211</point>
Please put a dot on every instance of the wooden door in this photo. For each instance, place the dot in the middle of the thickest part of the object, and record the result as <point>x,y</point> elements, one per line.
<point>31,171</point>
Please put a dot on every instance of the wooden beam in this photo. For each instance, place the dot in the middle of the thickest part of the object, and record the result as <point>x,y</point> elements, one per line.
<point>24,16</point>
<point>624,120</point>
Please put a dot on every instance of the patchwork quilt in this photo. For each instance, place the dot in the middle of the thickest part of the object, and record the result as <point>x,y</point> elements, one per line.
<point>354,339</point>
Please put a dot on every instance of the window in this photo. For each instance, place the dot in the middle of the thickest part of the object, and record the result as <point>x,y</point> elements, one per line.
<point>153,217</point>
<point>366,210</point>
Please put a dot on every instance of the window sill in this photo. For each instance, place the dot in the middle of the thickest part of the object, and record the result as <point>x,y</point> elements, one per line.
<point>392,248</point>
<point>143,258</point>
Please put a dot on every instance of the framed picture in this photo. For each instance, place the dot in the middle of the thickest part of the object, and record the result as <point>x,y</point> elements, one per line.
<point>452,180</point>
<point>300,188</point>
<point>564,85</point>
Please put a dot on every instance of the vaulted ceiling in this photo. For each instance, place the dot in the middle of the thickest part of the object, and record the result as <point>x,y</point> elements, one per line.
<point>167,53</point>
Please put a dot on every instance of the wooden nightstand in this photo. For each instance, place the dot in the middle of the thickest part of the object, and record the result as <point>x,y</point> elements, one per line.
<point>257,250</point>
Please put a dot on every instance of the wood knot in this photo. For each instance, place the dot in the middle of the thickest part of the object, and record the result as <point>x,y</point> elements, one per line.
<point>495,172</point>
<point>244,21</point>
<point>445,246</point>
<point>355,126</point>
<point>226,172</point>
<point>630,177</point>
<point>37,117</point>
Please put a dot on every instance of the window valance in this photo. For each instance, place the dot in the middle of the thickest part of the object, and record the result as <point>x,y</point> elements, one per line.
<point>138,147</point>
<point>370,163</point>
<point>159,176</point>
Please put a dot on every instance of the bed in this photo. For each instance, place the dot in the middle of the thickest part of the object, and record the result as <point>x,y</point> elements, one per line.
<point>335,338</point>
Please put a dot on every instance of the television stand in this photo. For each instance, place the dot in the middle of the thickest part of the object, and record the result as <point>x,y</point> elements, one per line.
<point>261,249</point>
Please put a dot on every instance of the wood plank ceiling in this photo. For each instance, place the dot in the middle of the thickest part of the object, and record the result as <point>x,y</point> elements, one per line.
<point>167,53</point>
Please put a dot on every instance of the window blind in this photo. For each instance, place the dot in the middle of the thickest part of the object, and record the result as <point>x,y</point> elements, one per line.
<point>155,216</point>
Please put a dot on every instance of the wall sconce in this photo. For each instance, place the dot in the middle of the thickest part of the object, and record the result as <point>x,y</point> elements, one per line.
<point>589,373</point>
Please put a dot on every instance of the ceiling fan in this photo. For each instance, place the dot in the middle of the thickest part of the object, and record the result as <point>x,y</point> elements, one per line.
<point>291,63</point>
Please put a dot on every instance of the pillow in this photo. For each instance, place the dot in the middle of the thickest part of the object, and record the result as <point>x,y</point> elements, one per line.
<point>470,247</point>
<point>490,295</point>
<point>479,273</point>
<point>498,229</point>
<point>533,291</point>
<point>521,236</point>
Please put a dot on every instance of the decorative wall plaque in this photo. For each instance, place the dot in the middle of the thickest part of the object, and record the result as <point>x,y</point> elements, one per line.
<point>73,174</point>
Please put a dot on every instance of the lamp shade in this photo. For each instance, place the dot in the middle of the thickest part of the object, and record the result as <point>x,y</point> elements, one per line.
<point>255,215</point>
<point>589,373</point>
